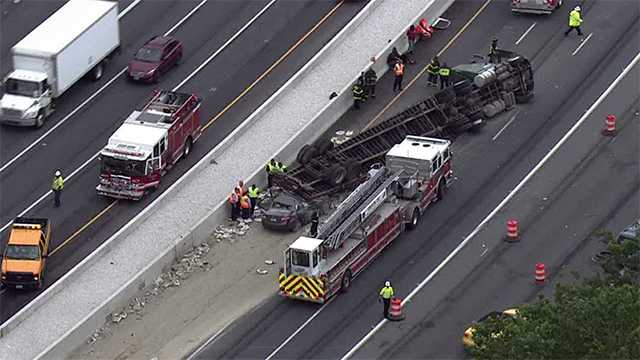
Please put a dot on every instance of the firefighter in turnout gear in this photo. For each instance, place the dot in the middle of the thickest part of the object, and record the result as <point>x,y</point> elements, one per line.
<point>386,293</point>
<point>432,70</point>
<point>57,186</point>
<point>493,51</point>
<point>358,95</point>
<point>370,80</point>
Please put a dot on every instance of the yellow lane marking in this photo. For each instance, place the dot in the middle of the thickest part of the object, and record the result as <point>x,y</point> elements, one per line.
<point>395,98</point>
<point>75,234</point>
<point>232,103</point>
<point>281,59</point>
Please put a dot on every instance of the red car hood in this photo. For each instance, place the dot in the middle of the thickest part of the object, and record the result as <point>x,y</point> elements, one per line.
<point>141,66</point>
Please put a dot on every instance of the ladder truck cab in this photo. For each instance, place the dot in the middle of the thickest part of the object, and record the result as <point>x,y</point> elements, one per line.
<point>416,173</point>
<point>148,144</point>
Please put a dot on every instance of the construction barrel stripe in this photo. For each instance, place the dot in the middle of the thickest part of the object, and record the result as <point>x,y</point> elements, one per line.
<point>305,286</point>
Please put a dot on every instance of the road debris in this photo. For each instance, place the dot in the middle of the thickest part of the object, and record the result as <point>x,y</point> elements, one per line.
<point>261,272</point>
<point>269,262</point>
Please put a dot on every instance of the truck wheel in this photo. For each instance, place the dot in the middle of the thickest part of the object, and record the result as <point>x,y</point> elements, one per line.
<point>346,281</point>
<point>442,189</point>
<point>97,72</point>
<point>179,59</point>
<point>336,175</point>
<point>415,218</point>
<point>323,146</point>
<point>39,119</point>
<point>306,153</point>
<point>559,4</point>
<point>187,147</point>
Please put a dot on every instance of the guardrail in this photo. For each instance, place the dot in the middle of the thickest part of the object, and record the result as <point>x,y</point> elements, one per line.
<point>77,332</point>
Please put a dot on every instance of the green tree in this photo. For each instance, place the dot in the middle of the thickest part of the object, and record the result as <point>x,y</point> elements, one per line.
<point>596,319</point>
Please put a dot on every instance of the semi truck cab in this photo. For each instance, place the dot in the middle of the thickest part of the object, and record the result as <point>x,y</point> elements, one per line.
<point>27,98</point>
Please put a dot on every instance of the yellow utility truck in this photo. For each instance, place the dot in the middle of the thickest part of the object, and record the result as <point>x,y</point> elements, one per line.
<point>26,252</point>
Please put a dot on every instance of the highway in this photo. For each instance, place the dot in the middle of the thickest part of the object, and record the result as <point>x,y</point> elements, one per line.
<point>85,220</point>
<point>589,180</point>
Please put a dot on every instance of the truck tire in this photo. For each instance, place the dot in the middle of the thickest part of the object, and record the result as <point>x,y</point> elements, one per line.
<point>39,119</point>
<point>306,153</point>
<point>323,146</point>
<point>186,150</point>
<point>346,281</point>
<point>336,175</point>
<point>415,219</point>
<point>97,71</point>
<point>442,189</point>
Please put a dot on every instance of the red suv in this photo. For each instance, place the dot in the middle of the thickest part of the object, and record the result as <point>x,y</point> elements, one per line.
<point>155,58</point>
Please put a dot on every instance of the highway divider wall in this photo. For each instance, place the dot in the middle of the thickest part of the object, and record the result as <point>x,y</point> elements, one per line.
<point>71,332</point>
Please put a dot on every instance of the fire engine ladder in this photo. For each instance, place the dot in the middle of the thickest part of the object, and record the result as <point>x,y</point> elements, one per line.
<point>358,217</point>
<point>351,203</point>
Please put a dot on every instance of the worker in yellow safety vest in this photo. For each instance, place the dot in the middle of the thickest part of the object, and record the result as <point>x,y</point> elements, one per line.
<point>253,193</point>
<point>272,169</point>
<point>57,186</point>
<point>445,74</point>
<point>386,293</point>
<point>575,20</point>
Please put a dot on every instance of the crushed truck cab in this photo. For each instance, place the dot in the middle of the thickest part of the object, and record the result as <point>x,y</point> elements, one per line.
<point>25,254</point>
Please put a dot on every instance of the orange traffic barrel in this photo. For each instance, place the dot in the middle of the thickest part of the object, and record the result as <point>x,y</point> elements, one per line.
<point>512,230</point>
<point>541,274</point>
<point>395,311</point>
<point>610,125</point>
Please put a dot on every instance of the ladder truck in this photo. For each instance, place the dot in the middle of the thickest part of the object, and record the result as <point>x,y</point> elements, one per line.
<point>415,174</point>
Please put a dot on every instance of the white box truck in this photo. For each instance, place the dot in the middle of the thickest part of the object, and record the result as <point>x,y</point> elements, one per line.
<point>73,42</point>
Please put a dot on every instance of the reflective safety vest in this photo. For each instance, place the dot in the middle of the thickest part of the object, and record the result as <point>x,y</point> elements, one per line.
<point>58,183</point>
<point>433,68</point>
<point>272,168</point>
<point>358,92</point>
<point>244,202</point>
<point>233,198</point>
<point>386,292</point>
<point>574,18</point>
<point>254,191</point>
<point>398,69</point>
<point>445,71</point>
<point>282,168</point>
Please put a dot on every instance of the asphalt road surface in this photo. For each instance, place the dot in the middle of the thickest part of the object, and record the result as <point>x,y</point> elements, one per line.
<point>587,181</point>
<point>85,220</point>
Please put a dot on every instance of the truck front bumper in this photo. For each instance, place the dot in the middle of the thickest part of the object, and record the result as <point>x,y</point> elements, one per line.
<point>17,120</point>
<point>32,284</point>
<point>119,193</point>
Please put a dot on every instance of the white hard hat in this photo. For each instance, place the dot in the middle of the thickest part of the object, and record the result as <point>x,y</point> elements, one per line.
<point>57,172</point>
<point>387,284</point>
<point>577,8</point>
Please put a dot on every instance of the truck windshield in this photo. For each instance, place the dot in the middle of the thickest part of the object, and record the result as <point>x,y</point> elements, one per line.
<point>21,87</point>
<point>151,55</point>
<point>22,252</point>
<point>300,258</point>
<point>115,166</point>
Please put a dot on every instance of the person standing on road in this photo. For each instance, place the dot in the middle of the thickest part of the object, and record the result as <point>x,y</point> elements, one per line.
<point>575,20</point>
<point>240,189</point>
<point>393,58</point>
<point>245,207</point>
<point>445,75</point>
<point>57,186</point>
<point>432,71</point>
<point>398,71</point>
<point>493,51</point>
<point>386,293</point>
<point>314,224</point>
<point>233,202</point>
<point>412,38</point>
<point>358,95</point>
<point>253,193</point>
<point>271,168</point>
<point>370,80</point>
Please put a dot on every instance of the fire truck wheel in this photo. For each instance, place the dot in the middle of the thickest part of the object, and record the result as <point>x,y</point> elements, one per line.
<point>346,281</point>
<point>187,147</point>
<point>442,189</point>
<point>415,218</point>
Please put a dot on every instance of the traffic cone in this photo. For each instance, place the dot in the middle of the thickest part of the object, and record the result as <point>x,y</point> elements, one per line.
<point>541,274</point>
<point>395,311</point>
<point>512,230</point>
<point>610,129</point>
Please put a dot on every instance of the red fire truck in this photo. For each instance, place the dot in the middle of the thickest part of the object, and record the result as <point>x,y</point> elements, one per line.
<point>416,173</point>
<point>148,144</point>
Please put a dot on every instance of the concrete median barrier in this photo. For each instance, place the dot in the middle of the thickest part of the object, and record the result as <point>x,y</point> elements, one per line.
<point>68,312</point>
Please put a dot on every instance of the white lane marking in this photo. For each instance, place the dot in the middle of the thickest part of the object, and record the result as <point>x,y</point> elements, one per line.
<point>526,32</point>
<point>299,329</point>
<point>512,193</point>
<point>582,44</point>
<point>128,8</point>
<point>79,107</point>
<point>68,178</point>
<point>505,126</point>
<point>229,41</point>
